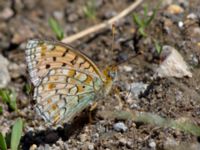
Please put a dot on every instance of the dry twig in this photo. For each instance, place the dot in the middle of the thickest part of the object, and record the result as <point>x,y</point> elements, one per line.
<point>103,25</point>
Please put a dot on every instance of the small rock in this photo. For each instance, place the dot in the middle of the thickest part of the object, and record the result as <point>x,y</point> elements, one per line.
<point>83,137</point>
<point>90,146</point>
<point>58,15</point>
<point>41,147</point>
<point>120,127</point>
<point>194,60</point>
<point>180,24</point>
<point>72,17</point>
<point>174,9</point>
<point>121,57</point>
<point>15,69</point>
<point>129,144</point>
<point>33,147</point>
<point>4,74</point>
<point>95,137</point>
<point>173,64</point>
<point>122,141</point>
<point>7,13</point>
<point>134,106</point>
<point>62,144</point>
<point>47,147</point>
<point>192,16</point>
<point>195,33</point>
<point>169,142</point>
<point>126,68</point>
<point>110,14</point>
<point>137,88</point>
<point>152,144</point>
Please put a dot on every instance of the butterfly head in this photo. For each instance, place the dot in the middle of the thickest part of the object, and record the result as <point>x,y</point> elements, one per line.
<point>110,74</point>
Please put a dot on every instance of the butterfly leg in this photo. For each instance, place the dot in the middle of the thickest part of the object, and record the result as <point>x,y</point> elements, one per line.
<point>92,107</point>
<point>117,96</point>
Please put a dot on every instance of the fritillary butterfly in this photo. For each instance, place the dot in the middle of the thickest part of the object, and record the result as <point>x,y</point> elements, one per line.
<point>65,81</point>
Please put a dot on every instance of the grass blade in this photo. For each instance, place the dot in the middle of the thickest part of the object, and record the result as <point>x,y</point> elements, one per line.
<point>3,145</point>
<point>1,110</point>
<point>137,20</point>
<point>9,97</point>
<point>16,134</point>
<point>56,28</point>
<point>158,47</point>
<point>151,17</point>
<point>90,10</point>
<point>4,95</point>
<point>142,32</point>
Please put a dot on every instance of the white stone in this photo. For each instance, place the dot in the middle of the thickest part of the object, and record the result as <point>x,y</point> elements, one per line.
<point>4,74</point>
<point>173,64</point>
<point>180,24</point>
<point>152,144</point>
<point>120,126</point>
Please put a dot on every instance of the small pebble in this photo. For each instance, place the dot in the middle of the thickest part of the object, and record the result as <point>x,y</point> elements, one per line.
<point>72,17</point>
<point>120,127</point>
<point>122,141</point>
<point>109,14</point>
<point>90,146</point>
<point>4,74</point>
<point>152,144</point>
<point>33,147</point>
<point>137,88</point>
<point>58,15</point>
<point>194,60</point>
<point>127,68</point>
<point>175,9</point>
<point>192,16</point>
<point>7,13</point>
<point>180,24</point>
<point>83,137</point>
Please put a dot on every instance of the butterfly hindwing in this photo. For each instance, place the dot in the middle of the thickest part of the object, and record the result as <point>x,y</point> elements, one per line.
<point>65,80</point>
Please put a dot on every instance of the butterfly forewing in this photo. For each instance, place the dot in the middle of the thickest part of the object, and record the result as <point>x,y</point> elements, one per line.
<point>65,80</point>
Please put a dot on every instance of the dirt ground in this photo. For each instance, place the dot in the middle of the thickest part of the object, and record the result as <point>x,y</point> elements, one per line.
<point>21,20</point>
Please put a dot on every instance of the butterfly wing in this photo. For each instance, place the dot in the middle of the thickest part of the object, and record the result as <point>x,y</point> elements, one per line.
<point>65,80</point>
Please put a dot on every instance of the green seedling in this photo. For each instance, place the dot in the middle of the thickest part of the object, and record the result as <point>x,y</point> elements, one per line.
<point>1,110</point>
<point>16,134</point>
<point>56,28</point>
<point>3,145</point>
<point>90,10</point>
<point>158,47</point>
<point>27,89</point>
<point>15,138</point>
<point>145,21</point>
<point>9,97</point>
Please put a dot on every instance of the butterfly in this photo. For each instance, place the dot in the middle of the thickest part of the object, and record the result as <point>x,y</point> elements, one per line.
<point>65,80</point>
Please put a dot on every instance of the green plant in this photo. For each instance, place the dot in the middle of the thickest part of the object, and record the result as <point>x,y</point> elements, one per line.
<point>90,10</point>
<point>158,47</point>
<point>15,136</point>
<point>144,22</point>
<point>1,110</point>
<point>9,97</point>
<point>56,28</point>
<point>27,88</point>
<point>3,145</point>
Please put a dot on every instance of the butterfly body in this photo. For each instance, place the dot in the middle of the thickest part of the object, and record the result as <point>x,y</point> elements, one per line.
<point>65,81</point>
